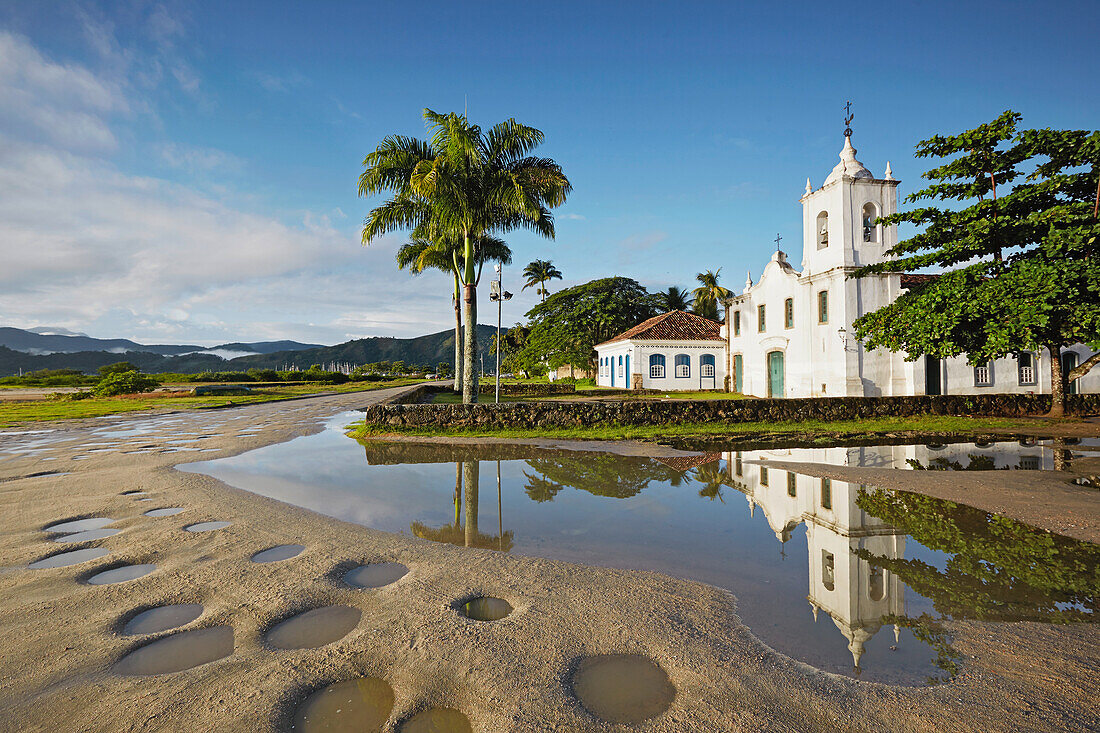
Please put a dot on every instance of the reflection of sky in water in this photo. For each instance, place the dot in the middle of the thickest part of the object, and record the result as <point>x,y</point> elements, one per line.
<point>662,527</point>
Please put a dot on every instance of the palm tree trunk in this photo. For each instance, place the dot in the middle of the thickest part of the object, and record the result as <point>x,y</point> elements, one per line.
<point>1057,383</point>
<point>458,334</point>
<point>469,294</point>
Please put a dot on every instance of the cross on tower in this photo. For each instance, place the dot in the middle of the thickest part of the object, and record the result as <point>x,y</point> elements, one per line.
<point>848,117</point>
<point>777,239</point>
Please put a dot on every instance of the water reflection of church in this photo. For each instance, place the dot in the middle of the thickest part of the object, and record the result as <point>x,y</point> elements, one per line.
<point>855,594</point>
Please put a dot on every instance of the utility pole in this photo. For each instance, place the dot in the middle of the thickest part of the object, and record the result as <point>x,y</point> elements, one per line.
<point>499,295</point>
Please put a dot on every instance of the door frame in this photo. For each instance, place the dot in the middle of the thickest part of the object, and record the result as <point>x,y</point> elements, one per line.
<point>769,357</point>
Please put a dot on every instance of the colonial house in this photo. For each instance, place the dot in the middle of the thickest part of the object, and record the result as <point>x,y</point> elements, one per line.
<point>673,351</point>
<point>790,333</point>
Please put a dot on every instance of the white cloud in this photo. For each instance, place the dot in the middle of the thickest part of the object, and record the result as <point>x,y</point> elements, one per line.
<point>575,217</point>
<point>198,159</point>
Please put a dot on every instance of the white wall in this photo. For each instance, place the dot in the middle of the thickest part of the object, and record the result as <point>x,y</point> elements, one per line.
<point>640,351</point>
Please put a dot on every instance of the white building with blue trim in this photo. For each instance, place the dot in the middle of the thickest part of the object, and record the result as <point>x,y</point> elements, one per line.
<point>673,351</point>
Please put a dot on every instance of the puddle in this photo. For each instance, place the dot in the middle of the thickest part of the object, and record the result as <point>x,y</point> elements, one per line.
<point>316,628</point>
<point>79,525</point>
<point>437,720</point>
<point>622,688</point>
<point>375,574</point>
<point>362,704</point>
<point>207,526</point>
<point>65,559</point>
<point>278,553</point>
<point>834,574</point>
<point>122,574</point>
<point>86,536</point>
<point>178,652</point>
<point>162,618</point>
<point>486,608</point>
<point>166,512</point>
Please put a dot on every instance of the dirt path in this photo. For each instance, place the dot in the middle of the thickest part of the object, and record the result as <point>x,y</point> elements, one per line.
<point>62,635</point>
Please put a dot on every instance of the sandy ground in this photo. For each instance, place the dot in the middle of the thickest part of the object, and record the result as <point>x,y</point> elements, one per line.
<point>61,636</point>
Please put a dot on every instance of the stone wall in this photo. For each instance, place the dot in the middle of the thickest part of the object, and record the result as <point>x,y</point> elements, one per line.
<point>652,412</point>
<point>423,392</point>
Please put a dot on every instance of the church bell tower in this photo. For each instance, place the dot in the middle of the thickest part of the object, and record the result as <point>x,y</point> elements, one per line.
<point>838,219</point>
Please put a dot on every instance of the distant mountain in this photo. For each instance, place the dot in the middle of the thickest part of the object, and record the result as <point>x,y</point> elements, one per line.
<point>47,340</point>
<point>18,351</point>
<point>427,350</point>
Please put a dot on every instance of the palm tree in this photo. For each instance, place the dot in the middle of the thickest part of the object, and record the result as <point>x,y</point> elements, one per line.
<point>443,252</point>
<point>676,299</point>
<point>537,273</point>
<point>469,184</point>
<point>708,294</point>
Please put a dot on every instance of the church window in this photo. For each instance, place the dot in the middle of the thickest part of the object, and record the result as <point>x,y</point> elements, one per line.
<point>876,584</point>
<point>826,493</point>
<point>822,230</point>
<point>823,306</point>
<point>1026,368</point>
<point>983,375</point>
<point>761,321</point>
<point>870,228</point>
<point>737,323</point>
<point>788,313</point>
<point>737,465</point>
<point>683,365</point>
<point>706,365</point>
<point>792,489</point>
<point>657,366</point>
<point>828,578</point>
<point>763,476</point>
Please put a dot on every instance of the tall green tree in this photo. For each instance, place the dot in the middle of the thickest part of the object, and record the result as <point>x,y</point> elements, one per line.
<point>566,328</point>
<point>708,294</point>
<point>436,250</point>
<point>1018,248</point>
<point>469,183</point>
<point>676,299</point>
<point>538,273</point>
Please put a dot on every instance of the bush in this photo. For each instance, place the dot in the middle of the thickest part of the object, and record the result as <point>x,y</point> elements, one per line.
<point>124,383</point>
<point>264,375</point>
<point>119,367</point>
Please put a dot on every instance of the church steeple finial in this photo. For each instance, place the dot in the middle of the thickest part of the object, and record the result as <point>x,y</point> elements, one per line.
<point>889,172</point>
<point>748,279</point>
<point>809,188</point>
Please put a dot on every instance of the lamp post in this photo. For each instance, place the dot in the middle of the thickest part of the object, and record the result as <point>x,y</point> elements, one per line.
<point>499,295</point>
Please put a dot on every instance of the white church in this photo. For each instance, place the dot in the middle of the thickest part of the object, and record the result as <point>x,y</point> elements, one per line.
<point>790,333</point>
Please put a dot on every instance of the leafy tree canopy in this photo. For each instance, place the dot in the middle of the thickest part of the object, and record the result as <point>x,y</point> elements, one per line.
<point>118,368</point>
<point>567,326</point>
<point>1014,222</point>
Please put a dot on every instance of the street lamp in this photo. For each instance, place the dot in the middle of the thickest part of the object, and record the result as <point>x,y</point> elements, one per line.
<point>499,295</point>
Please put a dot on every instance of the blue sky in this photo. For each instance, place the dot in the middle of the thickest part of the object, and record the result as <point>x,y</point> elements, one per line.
<point>187,172</point>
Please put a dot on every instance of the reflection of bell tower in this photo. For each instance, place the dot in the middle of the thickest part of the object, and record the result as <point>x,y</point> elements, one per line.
<point>855,594</point>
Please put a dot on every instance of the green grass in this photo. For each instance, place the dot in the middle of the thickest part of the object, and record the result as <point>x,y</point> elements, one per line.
<point>923,424</point>
<point>52,409</point>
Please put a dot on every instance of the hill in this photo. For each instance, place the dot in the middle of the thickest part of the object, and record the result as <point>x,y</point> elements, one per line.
<point>426,350</point>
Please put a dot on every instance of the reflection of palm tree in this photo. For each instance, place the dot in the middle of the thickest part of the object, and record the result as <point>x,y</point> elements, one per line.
<point>713,479</point>
<point>540,489</point>
<point>465,534</point>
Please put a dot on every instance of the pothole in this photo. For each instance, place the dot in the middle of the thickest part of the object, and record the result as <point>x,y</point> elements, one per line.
<point>278,553</point>
<point>207,526</point>
<point>65,559</point>
<point>178,652</point>
<point>162,618</point>
<point>623,688</point>
<point>121,574</point>
<point>486,608</point>
<point>315,628</point>
<point>86,536</point>
<point>167,511</point>
<point>79,525</point>
<point>437,720</point>
<point>362,704</point>
<point>375,574</point>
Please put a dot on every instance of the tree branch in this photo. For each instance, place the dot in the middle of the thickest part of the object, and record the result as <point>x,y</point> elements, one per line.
<point>1083,368</point>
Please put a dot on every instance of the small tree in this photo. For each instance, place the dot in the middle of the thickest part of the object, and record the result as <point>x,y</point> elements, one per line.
<point>538,273</point>
<point>1022,270</point>
<point>118,367</point>
<point>128,382</point>
<point>566,328</point>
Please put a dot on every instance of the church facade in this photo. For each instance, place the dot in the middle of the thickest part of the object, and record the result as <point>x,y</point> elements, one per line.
<point>790,333</point>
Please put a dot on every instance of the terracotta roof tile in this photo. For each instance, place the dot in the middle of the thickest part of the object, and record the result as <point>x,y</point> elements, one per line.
<point>909,279</point>
<point>673,326</point>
